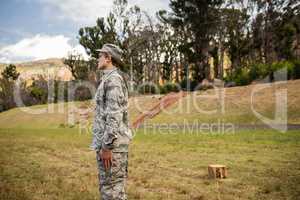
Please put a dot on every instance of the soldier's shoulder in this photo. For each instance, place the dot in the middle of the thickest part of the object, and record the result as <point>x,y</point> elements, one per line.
<point>114,79</point>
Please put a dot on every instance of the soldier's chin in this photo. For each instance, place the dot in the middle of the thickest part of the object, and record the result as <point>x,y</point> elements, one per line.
<point>101,67</point>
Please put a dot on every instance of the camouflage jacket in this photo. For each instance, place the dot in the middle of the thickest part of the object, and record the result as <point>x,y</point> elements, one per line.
<point>111,124</point>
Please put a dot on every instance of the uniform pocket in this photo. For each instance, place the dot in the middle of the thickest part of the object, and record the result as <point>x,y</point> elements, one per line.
<point>119,165</point>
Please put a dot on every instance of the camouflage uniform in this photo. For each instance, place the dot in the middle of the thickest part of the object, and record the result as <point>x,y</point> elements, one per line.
<point>111,131</point>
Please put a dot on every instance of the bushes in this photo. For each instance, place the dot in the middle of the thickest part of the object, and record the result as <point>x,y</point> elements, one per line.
<point>292,67</point>
<point>240,77</point>
<point>38,92</point>
<point>148,88</point>
<point>82,93</point>
<point>7,98</point>
<point>6,94</point>
<point>276,66</point>
<point>189,85</point>
<point>296,70</point>
<point>260,71</point>
<point>169,87</point>
<point>151,88</point>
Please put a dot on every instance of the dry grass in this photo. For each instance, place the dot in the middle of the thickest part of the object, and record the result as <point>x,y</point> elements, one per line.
<point>57,118</point>
<point>205,106</point>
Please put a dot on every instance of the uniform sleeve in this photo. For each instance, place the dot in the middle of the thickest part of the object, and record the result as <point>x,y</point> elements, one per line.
<point>97,134</point>
<point>114,98</point>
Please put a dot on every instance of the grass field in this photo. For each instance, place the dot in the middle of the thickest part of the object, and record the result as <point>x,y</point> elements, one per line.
<point>52,164</point>
<point>41,160</point>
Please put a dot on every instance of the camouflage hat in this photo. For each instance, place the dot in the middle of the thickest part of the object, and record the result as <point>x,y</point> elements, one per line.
<point>115,51</point>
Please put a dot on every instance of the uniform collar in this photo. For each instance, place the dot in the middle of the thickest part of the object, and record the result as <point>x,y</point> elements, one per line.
<point>108,71</point>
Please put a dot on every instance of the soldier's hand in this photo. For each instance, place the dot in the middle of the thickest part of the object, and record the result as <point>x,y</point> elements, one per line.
<point>106,157</point>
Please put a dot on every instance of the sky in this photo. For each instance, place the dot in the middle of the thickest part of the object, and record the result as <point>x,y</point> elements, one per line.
<point>40,29</point>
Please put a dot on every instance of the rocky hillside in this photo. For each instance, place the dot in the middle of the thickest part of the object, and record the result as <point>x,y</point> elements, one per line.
<point>53,67</point>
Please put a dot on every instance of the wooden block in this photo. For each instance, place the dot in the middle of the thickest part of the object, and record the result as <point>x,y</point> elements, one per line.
<point>217,171</point>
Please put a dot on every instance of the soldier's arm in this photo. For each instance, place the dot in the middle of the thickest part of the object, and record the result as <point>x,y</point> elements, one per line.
<point>114,98</point>
<point>96,142</point>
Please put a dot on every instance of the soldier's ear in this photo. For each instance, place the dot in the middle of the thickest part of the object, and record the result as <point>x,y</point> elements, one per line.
<point>108,58</point>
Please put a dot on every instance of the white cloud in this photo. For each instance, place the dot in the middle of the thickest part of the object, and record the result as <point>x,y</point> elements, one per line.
<point>39,47</point>
<point>4,60</point>
<point>86,12</point>
<point>80,11</point>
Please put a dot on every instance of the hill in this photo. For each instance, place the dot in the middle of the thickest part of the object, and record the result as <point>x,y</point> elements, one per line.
<point>195,107</point>
<point>62,114</point>
<point>54,66</point>
<point>207,106</point>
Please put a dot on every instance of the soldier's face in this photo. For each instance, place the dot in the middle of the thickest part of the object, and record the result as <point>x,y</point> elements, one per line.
<point>101,61</point>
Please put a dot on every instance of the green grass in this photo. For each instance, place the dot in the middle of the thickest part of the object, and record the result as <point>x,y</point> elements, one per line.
<point>57,164</point>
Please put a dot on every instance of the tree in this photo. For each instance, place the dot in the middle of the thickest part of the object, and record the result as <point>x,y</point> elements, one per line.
<point>237,36</point>
<point>7,82</point>
<point>277,26</point>
<point>288,31</point>
<point>134,31</point>
<point>10,72</point>
<point>116,28</point>
<point>195,18</point>
<point>78,66</point>
<point>93,38</point>
<point>169,40</point>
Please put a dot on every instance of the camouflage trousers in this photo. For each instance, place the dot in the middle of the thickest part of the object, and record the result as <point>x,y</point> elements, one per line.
<point>112,181</point>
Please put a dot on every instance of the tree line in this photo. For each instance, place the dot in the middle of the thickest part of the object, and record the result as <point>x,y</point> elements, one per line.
<point>233,40</point>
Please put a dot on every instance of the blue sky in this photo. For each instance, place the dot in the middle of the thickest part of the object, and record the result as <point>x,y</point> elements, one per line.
<point>40,29</point>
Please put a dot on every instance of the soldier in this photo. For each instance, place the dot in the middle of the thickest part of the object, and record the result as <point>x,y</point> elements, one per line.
<point>111,132</point>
